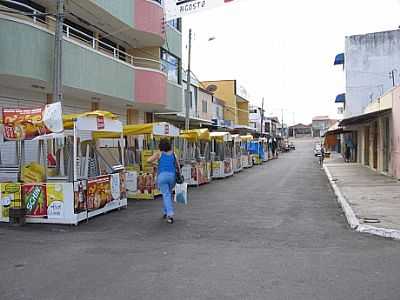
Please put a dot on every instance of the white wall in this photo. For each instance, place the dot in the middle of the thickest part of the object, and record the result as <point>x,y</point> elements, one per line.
<point>368,60</point>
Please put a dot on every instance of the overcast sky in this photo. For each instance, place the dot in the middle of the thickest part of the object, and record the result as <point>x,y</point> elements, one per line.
<point>284,50</point>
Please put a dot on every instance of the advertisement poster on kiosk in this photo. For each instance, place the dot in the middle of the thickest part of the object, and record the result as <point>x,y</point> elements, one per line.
<point>27,124</point>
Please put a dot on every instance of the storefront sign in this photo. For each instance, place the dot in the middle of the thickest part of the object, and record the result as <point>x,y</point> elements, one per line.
<point>98,192</point>
<point>26,124</point>
<point>165,129</point>
<point>179,8</point>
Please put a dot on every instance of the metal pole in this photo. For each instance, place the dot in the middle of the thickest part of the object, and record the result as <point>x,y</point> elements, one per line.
<point>58,38</point>
<point>262,115</point>
<point>188,97</point>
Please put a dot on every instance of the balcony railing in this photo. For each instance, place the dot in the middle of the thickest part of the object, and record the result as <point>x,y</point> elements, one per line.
<point>35,16</point>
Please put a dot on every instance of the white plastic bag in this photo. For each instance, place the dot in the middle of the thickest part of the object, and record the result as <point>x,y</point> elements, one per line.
<point>181,195</point>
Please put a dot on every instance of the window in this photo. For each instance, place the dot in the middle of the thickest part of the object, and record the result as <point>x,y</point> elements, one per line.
<point>176,23</point>
<point>204,107</point>
<point>171,65</point>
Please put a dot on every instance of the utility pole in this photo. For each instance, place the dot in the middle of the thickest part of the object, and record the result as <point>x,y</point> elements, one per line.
<point>188,94</point>
<point>262,115</point>
<point>58,40</point>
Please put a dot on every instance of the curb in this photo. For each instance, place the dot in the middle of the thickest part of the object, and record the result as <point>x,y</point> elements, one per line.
<point>351,217</point>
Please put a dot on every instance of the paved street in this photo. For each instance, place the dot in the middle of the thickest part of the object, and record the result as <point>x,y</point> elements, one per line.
<point>272,232</point>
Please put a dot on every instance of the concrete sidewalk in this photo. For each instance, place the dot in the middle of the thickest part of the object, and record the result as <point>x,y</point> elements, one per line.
<point>371,201</point>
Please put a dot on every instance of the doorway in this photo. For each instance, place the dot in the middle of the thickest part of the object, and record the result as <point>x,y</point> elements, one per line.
<point>386,139</point>
<point>366,145</point>
<point>375,146</point>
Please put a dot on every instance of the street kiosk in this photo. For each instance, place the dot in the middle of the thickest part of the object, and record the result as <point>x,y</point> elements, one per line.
<point>237,153</point>
<point>69,182</point>
<point>247,161</point>
<point>221,154</point>
<point>196,155</point>
<point>141,142</point>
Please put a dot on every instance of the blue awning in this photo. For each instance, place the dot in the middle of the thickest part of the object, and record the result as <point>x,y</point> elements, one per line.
<point>339,59</point>
<point>341,98</point>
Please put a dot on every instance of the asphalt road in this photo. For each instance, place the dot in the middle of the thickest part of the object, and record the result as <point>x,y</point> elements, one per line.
<point>271,232</point>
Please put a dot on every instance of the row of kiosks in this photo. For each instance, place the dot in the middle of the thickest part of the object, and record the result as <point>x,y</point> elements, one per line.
<point>221,154</point>
<point>69,181</point>
<point>195,155</point>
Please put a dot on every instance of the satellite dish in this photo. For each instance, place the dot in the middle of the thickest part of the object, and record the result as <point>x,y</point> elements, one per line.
<point>212,88</point>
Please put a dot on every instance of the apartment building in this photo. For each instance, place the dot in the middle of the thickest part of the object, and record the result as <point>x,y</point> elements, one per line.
<point>236,102</point>
<point>370,63</point>
<point>118,56</point>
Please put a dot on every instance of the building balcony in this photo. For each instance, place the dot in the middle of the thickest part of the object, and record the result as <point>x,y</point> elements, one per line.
<point>141,21</point>
<point>91,68</point>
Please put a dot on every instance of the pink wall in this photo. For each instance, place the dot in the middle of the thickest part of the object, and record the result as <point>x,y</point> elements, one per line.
<point>150,87</point>
<point>149,17</point>
<point>396,133</point>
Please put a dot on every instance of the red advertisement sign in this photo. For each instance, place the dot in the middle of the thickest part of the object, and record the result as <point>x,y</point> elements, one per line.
<point>34,196</point>
<point>100,122</point>
<point>98,192</point>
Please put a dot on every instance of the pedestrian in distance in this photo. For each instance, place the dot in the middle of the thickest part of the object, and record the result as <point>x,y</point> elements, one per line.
<point>347,153</point>
<point>166,176</point>
<point>322,155</point>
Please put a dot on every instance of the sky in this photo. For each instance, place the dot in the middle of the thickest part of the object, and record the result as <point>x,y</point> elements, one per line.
<point>283,50</point>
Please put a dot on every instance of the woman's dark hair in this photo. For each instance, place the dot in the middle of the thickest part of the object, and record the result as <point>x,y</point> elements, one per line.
<point>165,145</point>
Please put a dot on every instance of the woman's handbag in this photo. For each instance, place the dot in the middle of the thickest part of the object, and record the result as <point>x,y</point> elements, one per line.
<point>178,175</point>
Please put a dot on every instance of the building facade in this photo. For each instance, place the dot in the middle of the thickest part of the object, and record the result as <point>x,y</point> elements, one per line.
<point>375,139</point>
<point>370,61</point>
<point>300,130</point>
<point>132,72</point>
<point>236,104</point>
<point>320,125</point>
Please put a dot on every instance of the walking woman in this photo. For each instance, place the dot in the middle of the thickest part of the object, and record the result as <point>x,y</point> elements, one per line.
<point>166,176</point>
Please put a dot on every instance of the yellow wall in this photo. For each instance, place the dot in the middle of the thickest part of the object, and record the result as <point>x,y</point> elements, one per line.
<point>226,93</point>
<point>385,102</point>
<point>243,113</point>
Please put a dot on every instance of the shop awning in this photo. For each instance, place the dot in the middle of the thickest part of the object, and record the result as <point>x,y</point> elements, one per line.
<point>69,119</point>
<point>221,136</point>
<point>196,134</point>
<point>157,129</point>
<point>339,59</point>
<point>341,98</point>
<point>360,119</point>
<point>247,137</point>
<point>236,138</point>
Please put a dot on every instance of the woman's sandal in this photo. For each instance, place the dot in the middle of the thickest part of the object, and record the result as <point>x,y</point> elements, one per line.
<point>170,220</point>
